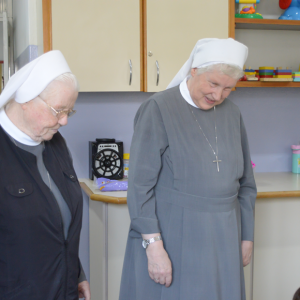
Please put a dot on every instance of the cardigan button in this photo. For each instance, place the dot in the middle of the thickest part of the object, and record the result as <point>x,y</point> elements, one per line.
<point>21,191</point>
<point>71,176</point>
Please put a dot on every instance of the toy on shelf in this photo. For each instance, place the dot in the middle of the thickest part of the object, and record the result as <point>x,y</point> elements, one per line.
<point>292,9</point>
<point>244,78</point>
<point>247,9</point>
<point>279,73</point>
<point>296,76</point>
<point>269,74</point>
<point>250,74</point>
<point>266,72</point>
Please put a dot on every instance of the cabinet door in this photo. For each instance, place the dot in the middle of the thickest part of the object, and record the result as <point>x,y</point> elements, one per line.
<point>98,38</point>
<point>173,28</point>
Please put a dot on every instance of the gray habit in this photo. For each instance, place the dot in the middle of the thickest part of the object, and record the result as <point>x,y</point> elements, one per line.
<point>175,188</point>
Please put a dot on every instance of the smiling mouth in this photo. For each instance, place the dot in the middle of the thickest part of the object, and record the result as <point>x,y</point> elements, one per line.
<point>210,101</point>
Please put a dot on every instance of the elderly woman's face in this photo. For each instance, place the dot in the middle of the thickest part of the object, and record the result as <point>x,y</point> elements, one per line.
<point>209,89</point>
<point>39,120</point>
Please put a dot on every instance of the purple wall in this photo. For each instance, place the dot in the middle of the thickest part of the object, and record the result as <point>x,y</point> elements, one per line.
<point>272,120</point>
<point>271,116</point>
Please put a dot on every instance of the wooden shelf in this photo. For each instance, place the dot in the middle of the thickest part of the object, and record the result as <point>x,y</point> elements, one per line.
<point>260,24</point>
<point>267,84</point>
<point>266,24</point>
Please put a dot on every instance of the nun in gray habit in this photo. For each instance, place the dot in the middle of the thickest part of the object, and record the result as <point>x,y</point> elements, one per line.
<point>191,187</point>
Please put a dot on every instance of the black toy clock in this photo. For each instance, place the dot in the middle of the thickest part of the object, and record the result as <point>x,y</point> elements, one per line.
<point>106,159</point>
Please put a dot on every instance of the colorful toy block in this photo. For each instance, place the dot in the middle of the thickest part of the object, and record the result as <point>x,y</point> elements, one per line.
<point>283,76</point>
<point>276,79</point>
<point>283,71</point>
<point>266,68</point>
<point>296,76</point>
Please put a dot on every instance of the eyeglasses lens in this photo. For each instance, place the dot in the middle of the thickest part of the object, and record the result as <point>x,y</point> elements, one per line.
<point>67,113</point>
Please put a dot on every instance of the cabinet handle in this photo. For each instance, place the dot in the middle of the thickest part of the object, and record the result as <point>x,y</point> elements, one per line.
<point>130,72</point>
<point>157,68</point>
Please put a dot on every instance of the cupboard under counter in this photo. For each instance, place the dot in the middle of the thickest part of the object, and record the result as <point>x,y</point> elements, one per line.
<point>276,259</point>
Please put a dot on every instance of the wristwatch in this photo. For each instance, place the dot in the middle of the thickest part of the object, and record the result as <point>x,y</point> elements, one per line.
<point>145,243</point>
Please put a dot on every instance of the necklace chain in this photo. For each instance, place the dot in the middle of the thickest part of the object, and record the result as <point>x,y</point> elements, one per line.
<point>217,150</point>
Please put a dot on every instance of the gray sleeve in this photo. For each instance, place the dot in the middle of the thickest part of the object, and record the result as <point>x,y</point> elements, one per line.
<point>148,144</point>
<point>82,276</point>
<point>247,192</point>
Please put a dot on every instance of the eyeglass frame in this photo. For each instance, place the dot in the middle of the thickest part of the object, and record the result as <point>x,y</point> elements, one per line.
<point>67,112</point>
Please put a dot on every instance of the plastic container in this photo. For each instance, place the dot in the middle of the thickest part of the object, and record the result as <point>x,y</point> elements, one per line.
<point>126,157</point>
<point>296,159</point>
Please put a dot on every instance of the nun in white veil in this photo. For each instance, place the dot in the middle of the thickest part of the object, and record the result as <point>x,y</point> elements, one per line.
<point>41,200</point>
<point>191,189</point>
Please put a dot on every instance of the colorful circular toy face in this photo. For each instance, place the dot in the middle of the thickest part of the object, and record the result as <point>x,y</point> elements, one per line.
<point>284,4</point>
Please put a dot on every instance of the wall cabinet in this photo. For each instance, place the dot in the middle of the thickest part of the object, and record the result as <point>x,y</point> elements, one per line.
<point>99,37</point>
<point>173,28</point>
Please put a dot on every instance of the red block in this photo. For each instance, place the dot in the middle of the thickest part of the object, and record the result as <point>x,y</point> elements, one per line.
<point>285,73</point>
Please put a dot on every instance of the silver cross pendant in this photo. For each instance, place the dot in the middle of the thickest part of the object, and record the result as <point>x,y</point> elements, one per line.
<point>217,161</point>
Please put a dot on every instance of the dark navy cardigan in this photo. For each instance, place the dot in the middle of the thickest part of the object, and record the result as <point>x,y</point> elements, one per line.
<point>36,261</point>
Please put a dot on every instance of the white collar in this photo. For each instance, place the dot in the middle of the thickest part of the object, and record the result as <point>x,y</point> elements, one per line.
<point>185,93</point>
<point>14,131</point>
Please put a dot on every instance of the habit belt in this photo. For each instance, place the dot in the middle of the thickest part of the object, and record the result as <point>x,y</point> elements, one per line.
<point>194,202</point>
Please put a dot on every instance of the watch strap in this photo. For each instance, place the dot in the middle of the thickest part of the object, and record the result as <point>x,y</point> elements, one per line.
<point>146,243</point>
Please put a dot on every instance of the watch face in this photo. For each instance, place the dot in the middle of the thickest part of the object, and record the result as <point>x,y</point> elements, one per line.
<point>144,244</point>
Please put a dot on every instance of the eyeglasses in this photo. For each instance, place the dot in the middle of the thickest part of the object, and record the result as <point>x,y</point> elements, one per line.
<point>61,113</point>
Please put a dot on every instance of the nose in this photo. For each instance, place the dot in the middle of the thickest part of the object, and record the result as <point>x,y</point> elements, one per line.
<point>218,94</point>
<point>63,120</point>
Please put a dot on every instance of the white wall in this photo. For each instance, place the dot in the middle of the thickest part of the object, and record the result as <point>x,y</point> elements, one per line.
<point>39,26</point>
<point>5,5</point>
<point>1,41</point>
<point>35,13</point>
<point>28,25</point>
<point>21,26</point>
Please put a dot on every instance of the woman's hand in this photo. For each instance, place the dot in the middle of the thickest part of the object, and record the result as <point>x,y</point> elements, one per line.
<point>159,264</point>
<point>84,290</point>
<point>247,247</point>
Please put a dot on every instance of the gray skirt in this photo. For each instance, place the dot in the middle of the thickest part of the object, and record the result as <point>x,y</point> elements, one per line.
<point>202,237</point>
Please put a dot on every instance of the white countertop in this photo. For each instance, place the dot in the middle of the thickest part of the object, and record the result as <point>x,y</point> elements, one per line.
<point>269,185</point>
<point>96,190</point>
<point>94,193</point>
<point>277,182</point>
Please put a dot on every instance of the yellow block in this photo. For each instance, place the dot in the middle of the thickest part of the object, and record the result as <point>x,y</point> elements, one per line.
<point>247,1</point>
<point>249,73</point>
<point>266,68</point>
<point>282,76</point>
<point>276,79</point>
